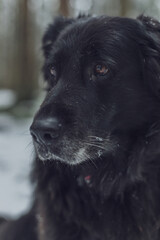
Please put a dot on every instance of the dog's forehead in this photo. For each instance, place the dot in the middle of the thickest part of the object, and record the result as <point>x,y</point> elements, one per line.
<point>95,34</point>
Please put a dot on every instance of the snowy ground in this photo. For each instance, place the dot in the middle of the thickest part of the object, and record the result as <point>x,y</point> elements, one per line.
<point>16,154</point>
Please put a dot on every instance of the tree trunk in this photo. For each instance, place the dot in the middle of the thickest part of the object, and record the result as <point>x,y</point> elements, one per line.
<point>124,4</point>
<point>64,8</point>
<point>25,77</point>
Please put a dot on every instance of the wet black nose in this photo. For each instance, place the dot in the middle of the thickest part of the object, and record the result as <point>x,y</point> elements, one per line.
<point>46,131</point>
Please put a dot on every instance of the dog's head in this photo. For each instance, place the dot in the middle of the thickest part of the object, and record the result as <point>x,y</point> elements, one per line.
<point>103,77</point>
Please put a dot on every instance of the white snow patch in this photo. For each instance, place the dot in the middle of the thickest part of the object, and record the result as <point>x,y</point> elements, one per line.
<point>15,165</point>
<point>7,98</point>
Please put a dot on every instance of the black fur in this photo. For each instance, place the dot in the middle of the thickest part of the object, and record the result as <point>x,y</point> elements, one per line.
<point>99,178</point>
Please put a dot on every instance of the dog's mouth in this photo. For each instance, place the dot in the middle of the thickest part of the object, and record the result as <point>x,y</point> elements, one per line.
<point>75,152</point>
<point>45,154</point>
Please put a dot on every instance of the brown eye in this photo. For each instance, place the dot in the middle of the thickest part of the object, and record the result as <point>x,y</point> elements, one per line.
<point>53,71</point>
<point>101,69</point>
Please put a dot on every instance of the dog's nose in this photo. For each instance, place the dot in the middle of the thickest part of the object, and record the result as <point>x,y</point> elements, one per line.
<point>46,131</point>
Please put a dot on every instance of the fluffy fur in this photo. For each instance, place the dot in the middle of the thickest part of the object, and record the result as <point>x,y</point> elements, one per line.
<point>98,171</point>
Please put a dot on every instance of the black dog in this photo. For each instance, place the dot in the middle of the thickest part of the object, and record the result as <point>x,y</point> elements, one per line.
<point>97,133</point>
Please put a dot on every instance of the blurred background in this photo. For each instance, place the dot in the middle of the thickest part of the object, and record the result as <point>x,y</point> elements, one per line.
<point>22,24</point>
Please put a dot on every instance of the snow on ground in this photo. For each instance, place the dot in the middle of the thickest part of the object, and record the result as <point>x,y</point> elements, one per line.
<point>16,154</point>
<point>8,98</point>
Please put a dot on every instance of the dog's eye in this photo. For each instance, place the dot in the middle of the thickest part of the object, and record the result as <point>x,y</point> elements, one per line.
<point>101,70</point>
<point>53,71</point>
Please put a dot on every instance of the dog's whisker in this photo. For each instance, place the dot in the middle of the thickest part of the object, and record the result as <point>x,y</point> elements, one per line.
<point>26,132</point>
<point>90,160</point>
<point>96,142</point>
<point>100,144</point>
<point>29,145</point>
<point>95,145</point>
<point>99,139</point>
<point>93,163</point>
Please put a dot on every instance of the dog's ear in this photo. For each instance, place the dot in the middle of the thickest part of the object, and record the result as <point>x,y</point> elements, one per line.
<point>150,47</point>
<point>53,32</point>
